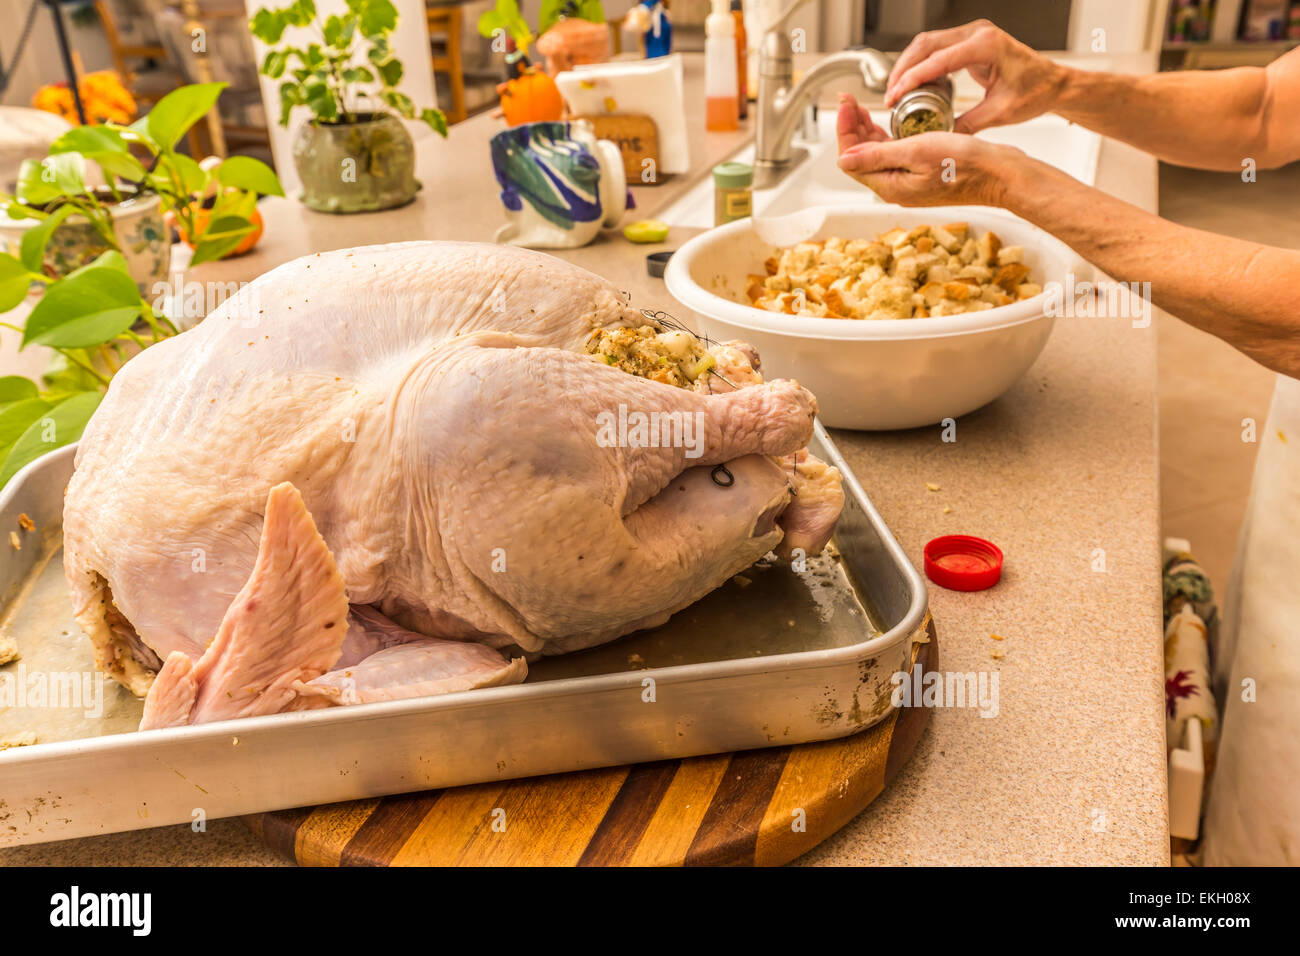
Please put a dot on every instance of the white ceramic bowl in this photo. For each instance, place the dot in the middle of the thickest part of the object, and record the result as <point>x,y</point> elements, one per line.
<point>877,374</point>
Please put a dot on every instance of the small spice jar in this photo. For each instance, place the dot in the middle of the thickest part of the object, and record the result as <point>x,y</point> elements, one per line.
<point>926,109</point>
<point>733,192</point>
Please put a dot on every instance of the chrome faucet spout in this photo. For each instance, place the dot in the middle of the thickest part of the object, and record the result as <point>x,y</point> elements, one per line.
<point>781,103</point>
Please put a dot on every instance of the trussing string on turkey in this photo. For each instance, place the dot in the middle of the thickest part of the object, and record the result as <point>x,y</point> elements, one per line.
<point>720,475</point>
<point>665,320</point>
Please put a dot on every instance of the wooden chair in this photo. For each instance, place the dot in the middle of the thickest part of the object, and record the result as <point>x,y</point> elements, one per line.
<point>126,55</point>
<point>445,19</point>
<point>235,64</point>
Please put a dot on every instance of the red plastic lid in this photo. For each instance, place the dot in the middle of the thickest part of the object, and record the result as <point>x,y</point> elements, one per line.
<point>960,562</point>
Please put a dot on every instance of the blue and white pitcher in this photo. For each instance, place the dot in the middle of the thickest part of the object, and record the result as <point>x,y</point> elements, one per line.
<point>559,183</point>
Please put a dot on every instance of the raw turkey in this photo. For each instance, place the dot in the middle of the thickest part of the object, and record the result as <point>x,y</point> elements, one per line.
<point>375,474</point>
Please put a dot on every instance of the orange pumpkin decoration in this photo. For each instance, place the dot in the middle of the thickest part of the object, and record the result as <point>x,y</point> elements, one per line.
<point>201,217</point>
<point>531,97</point>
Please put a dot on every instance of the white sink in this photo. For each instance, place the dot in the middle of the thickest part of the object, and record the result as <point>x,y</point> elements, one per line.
<point>817,181</point>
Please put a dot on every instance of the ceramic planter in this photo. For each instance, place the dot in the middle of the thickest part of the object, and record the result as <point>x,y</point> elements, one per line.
<point>141,234</point>
<point>356,167</point>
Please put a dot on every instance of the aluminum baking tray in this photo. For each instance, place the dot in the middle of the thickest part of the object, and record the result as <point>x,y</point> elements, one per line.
<point>773,658</point>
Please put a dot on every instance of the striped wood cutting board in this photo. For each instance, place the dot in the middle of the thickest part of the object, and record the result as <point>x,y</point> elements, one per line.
<point>739,808</point>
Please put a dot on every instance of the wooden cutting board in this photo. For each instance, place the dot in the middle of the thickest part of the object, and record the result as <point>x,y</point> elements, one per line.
<point>727,809</point>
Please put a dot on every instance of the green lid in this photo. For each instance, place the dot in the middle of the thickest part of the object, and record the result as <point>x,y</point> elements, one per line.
<point>733,175</point>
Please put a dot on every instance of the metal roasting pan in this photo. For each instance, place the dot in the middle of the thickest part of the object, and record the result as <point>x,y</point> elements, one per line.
<point>772,659</point>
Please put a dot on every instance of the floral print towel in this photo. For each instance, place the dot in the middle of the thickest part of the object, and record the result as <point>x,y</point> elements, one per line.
<point>1191,619</point>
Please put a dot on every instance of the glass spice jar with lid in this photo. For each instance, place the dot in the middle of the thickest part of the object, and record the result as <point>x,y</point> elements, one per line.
<point>733,191</point>
<point>926,109</point>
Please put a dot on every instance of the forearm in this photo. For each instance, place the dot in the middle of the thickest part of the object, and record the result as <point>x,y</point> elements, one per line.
<point>1242,292</point>
<point>1209,120</point>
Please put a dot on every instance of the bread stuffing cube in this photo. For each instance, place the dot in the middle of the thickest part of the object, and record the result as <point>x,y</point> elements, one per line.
<point>989,245</point>
<point>903,273</point>
<point>946,239</point>
<point>1010,276</point>
<point>931,293</point>
<point>982,274</point>
<point>888,299</point>
<point>906,267</point>
<point>894,237</point>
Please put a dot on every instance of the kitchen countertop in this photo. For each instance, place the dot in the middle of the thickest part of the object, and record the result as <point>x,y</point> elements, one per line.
<point>1072,770</point>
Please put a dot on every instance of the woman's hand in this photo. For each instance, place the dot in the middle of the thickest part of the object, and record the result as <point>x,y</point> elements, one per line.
<point>1019,84</point>
<point>932,169</point>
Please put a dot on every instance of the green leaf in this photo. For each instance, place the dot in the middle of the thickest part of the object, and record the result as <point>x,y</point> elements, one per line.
<point>333,31</point>
<point>349,31</point>
<point>89,307</point>
<point>321,100</point>
<point>391,72</point>
<point>268,25</point>
<point>32,246</point>
<point>436,120</point>
<point>505,16</point>
<point>244,172</point>
<point>108,259</point>
<point>400,102</point>
<point>15,281</point>
<point>61,425</point>
<point>42,181</point>
<point>291,95</point>
<point>220,238</point>
<point>104,146</point>
<point>313,56</point>
<point>173,115</point>
<point>301,13</point>
<point>16,388</point>
<point>16,418</point>
<point>379,51</point>
<point>63,377</point>
<point>274,63</point>
<point>89,139</point>
<point>377,17</point>
<point>193,177</point>
<point>235,202</point>
<point>358,74</point>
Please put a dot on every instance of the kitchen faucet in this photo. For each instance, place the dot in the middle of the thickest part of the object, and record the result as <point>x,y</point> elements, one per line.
<point>781,104</point>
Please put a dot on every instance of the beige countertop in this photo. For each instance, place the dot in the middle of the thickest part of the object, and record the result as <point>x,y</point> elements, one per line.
<point>1072,769</point>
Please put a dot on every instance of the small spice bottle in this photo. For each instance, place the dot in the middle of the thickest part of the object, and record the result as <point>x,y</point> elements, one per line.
<point>733,192</point>
<point>925,109</point>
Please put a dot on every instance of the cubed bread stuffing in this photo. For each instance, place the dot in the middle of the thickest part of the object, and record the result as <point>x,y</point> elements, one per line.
<point>901,274</point>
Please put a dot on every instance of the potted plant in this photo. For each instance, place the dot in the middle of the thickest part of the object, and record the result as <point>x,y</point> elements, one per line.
<point>354,154</point>
<point>93,256</point>
<point>56,221</point>
<point>94,319</point>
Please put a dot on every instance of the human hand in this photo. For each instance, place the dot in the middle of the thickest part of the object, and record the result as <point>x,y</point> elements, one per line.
<point>932,169</point>
<point>1018,82</point>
